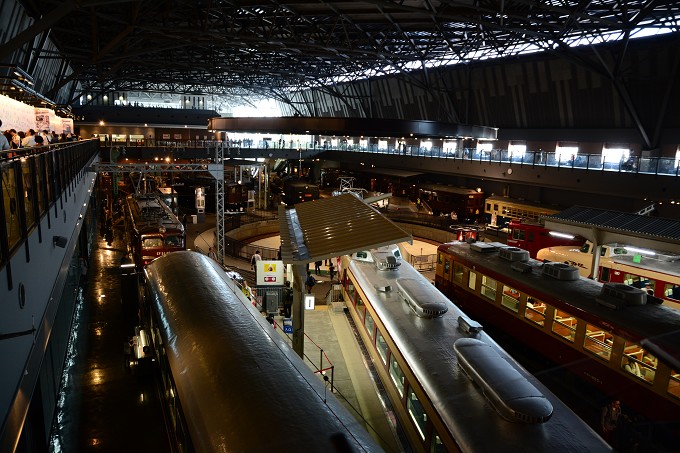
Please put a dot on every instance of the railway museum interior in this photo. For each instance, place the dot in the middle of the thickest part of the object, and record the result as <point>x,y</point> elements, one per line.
<point>340,226</point>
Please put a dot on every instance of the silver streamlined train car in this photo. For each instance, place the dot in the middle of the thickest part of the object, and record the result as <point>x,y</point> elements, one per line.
<point>452,387</point>
<point>232,383</point>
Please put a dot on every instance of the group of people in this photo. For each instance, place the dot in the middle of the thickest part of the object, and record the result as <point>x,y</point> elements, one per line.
<point>13,139</point>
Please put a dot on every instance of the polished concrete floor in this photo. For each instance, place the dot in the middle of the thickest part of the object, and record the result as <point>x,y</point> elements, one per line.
<point>108,406</point>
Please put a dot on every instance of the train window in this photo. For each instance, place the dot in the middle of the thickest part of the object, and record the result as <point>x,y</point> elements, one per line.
<point>439,258</point>
<point>381,346</point>
<point>350,291</point>
<point>437,446</point>
<point>472,280</point>
<point>510,298</point>
<point>674,384</point>
<point>488,289</point>
<point>370,325</point>
<point>458,271</point>
<point>638,362</point>
<point>585,248</point>
<point>173,241</point>
<point>598,342</point>
<point>417,413</point>
<point>361,307</point>
<point>671,291</point>
<point>397,376</point>
<point>447,267</point>
<point>518,234</point>
<point>535,311</point>
<point>564,325</point>
<point>636,281</point>
<point>152,242</point>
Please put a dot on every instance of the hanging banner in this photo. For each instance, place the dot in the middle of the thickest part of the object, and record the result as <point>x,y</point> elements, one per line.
<point>42,119</point>
<point>67,125</point>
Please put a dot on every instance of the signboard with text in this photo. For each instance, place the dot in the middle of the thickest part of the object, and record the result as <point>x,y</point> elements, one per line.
<point>309,301</point>
<point>269,273</point>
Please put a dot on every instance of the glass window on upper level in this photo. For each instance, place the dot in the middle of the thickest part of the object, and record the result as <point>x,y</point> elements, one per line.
<point>614,154</point>
<point>484,147</point>
<point>564,151</point>
<point>517,149</point>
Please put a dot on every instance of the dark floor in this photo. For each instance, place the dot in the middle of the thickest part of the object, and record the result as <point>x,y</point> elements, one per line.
<point>109,407</point>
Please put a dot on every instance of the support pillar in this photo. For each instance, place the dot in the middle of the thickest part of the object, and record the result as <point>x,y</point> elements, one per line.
<point>597,249</point>
<point>298,309</point>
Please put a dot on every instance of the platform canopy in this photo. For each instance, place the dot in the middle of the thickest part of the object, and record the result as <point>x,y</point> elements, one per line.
<point>330,227</point>
<point>607,227</point>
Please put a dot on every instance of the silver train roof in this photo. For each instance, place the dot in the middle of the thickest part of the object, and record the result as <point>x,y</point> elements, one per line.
<point>427,345</point>
<point>234,374</point>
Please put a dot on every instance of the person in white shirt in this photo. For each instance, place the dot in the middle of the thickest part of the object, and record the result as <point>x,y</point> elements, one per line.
<point>255,258</point>
<point>29,140</point>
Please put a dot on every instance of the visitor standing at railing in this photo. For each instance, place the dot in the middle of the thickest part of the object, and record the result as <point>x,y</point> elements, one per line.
<point>4,143</point>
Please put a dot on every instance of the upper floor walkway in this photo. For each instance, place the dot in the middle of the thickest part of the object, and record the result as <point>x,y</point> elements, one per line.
<point>249,148</point>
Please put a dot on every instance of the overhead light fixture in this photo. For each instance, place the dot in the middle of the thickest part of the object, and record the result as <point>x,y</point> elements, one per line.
<point>640,251</point>
<point>557,234</point>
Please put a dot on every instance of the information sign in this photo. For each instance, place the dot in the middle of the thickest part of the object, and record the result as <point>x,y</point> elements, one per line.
<point>309,301</point>
<point>269,273</point>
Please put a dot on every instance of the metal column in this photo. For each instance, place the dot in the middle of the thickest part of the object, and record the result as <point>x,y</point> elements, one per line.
<point>217,171</point>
